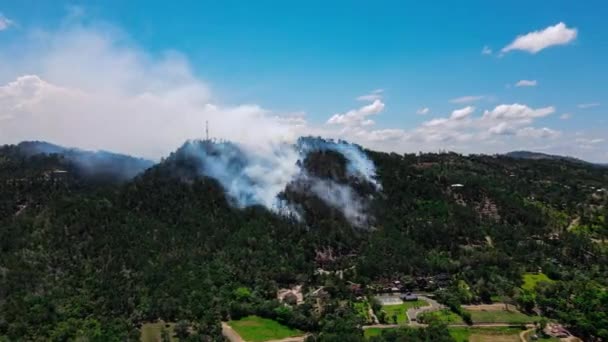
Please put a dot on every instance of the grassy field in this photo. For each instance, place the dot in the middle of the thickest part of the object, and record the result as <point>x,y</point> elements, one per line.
<point>461,334</point>
<point>398,310</point>
<point>445,316</point>
<point>417,303</point>
<point>502,316</point>
<point>150,332</point>
<point>531,279</point>
<point>401,310</point>
<point>374,332</point>
<point>257,329</point>
<point>493,334</point>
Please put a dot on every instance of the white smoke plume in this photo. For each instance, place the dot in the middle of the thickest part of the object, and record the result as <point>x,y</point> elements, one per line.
<point>253,178</point>
<point>90,87</point>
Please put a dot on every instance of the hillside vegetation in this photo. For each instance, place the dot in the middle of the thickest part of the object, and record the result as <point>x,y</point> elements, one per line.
<point>95,257</point>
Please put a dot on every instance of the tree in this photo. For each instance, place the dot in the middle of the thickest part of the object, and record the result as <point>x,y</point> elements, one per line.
<point>164,335</point>
<point>182,330</point>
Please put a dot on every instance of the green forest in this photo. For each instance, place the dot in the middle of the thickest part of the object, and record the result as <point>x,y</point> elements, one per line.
<point>93,258</point>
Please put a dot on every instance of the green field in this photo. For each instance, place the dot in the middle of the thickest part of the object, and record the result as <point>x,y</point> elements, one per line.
<point>150,332</point>
<point>445,316</point>
<point>485,334</point>
<point>398,310</point>
<point>258,329</point>
<point>532,279</point>
<point>502,316</point>
<point>417,303</point>
<point>401,310</point>
<point>374,332</point>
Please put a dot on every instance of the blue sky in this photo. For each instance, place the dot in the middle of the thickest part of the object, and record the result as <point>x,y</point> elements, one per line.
<point>315,59</point>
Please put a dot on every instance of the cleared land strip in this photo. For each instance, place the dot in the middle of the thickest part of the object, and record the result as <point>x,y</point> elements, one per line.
<point>230,334</point>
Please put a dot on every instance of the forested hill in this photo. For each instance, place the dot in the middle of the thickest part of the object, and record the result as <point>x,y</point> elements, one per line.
<point>539,155</point>
<point>94,258</point>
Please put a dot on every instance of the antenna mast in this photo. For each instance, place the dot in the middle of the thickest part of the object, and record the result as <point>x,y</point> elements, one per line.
<point>207,130</point>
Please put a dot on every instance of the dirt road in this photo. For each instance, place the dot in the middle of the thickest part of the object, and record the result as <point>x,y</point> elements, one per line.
<point>230,334</point>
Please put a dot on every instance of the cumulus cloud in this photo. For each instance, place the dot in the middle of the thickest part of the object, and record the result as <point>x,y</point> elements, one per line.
<point>526,83</point>
<point>565,116</point>
<point>459,114</point>
<point>536,41</point>
<point>486,50</point>
<point>517,111</point>
<point>466,99</point>
<point>359,116</point>
<point>372,96</point>
<point>588,105</point>
<point>423,111</point>
<point>504,121</point>
<point>5,22</point>
<point>590,141</point>
<point>538,133</point>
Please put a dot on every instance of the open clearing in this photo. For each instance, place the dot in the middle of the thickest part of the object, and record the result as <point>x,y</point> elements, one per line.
<point>498,334</point>
<point>532,279</point>
<point>374,332</point>
<point>400,310</point>
<point>496,313</point>
<point>258,329</point>
<point>445,316</point>
<point>150,332</point>
<point>474,334</point>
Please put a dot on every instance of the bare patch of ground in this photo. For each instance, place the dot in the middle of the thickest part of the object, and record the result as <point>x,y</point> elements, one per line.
<point>490,307</point>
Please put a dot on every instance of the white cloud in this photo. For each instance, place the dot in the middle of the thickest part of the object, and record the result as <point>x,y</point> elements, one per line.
<point>536,41</point>
<point>502,128</point>
<point>517,111</point>
<point>373,96</point>
<point>385,134</point>
<point>5,22</point>
<point>588,105</point>
<point>588,141</point>
<point>565,116</point>
<point>459,114</point>
<point>538,133</point>
<point>526,83</point>
<point>467,99</point>
<point>486,50</point>
<point>423,111</point>
<point>358,117</point>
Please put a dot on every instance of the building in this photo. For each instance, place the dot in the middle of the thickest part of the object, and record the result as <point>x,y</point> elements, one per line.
<point>409,297</point>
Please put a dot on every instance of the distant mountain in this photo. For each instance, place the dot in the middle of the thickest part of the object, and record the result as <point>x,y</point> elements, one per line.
<point>91,163</point>
<point>546,156</point>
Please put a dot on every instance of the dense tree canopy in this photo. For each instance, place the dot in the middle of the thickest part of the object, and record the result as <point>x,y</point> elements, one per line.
<point>94,258</point>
